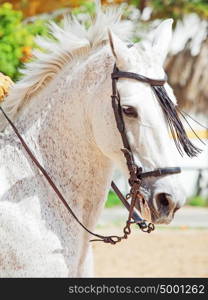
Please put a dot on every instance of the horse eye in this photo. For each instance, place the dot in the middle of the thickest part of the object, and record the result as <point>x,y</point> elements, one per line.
<point>129,111</point>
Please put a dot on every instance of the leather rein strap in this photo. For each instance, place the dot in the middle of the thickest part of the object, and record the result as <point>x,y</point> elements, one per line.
<point>135,172</point>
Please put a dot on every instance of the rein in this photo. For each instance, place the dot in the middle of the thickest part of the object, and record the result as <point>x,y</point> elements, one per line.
<point>136,174</point>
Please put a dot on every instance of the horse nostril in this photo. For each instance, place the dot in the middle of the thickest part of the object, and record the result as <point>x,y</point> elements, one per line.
<point>163,199</point>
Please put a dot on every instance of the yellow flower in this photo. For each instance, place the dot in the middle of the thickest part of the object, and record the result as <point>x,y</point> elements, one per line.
<point>5,84</point>
<point>27,53</point>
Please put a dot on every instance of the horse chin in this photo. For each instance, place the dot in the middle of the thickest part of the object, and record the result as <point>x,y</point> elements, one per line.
<point>161,220</point>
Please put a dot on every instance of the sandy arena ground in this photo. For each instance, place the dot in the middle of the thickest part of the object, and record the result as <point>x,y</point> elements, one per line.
<point>172,252</point>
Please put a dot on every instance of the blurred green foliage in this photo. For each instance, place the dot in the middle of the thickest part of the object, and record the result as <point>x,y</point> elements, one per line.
<point>16,39</point>
<point>198,201</point>
<point>112,200</point>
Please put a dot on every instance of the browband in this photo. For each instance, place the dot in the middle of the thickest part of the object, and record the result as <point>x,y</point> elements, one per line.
<point>120,74</point>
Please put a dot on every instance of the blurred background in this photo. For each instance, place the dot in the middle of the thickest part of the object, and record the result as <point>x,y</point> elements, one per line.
<point>179,249</point>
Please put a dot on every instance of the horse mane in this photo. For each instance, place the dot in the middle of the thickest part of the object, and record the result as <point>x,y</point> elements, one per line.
<point>67,43</point>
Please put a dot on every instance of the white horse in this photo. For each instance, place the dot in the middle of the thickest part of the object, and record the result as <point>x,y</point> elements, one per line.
<point>62,107</point>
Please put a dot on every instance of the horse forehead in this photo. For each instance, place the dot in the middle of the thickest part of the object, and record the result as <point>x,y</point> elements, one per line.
<point>146,63</point>
<point>135,93</point>
<point>130,90</point>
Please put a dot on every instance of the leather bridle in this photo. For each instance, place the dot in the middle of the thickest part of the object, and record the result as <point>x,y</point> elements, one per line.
<point>136,174</point>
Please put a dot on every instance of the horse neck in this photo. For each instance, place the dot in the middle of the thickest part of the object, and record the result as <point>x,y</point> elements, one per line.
<point>60,134</point>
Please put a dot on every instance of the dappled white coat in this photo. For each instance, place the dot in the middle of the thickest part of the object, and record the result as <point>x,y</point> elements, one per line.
<point>62,108</point>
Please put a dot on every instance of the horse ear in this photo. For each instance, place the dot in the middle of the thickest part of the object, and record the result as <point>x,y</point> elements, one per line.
<point>162,39</point>
<point>119,50</point>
